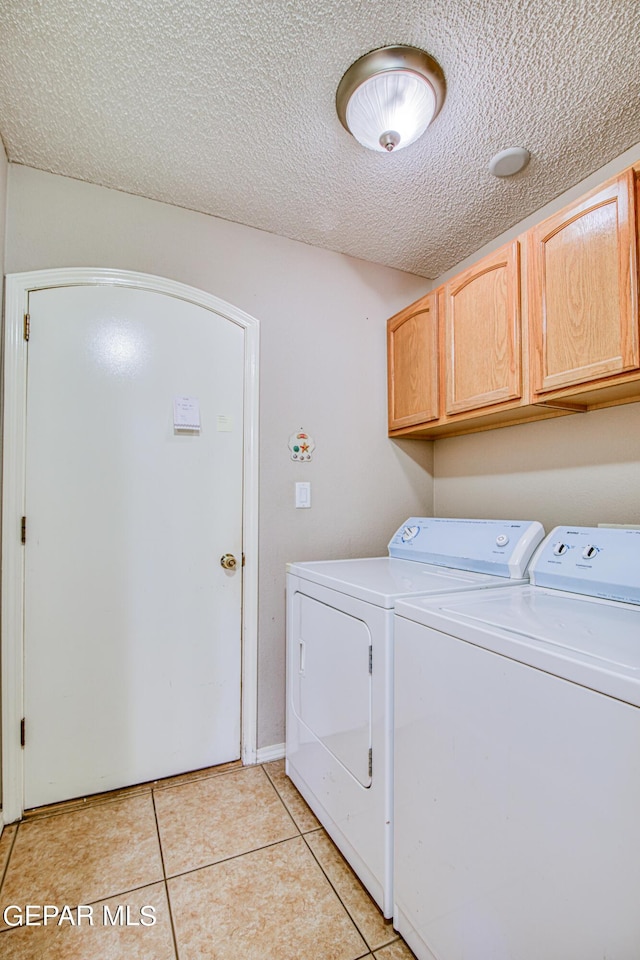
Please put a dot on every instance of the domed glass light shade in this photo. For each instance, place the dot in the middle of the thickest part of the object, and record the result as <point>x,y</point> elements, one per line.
<point>388,98</point>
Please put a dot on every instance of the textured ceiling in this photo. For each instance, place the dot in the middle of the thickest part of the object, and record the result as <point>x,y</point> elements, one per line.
<point>229,108</point>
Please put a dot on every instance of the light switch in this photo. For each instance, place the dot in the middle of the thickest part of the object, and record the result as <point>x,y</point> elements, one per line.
<point>303,495</point>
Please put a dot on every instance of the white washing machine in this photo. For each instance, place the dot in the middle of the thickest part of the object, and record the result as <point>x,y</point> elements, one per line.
<point>340,670</point>
<point>517,761</point>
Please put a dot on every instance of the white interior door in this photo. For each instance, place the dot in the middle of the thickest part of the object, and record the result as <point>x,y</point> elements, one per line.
<point>132,642</point>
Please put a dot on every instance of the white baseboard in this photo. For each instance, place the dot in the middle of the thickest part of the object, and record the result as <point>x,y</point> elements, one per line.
<point>266,754</point>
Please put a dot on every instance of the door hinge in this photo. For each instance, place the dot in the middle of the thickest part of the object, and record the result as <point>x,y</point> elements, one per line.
<point>370,761</point>
<point>23,530</point>
<point>22,734</point>
<point>371,659</point>
<point>27,326</point>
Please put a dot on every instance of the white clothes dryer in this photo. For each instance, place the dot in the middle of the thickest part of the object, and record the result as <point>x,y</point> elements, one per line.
<point>339,750</point>
<point>517,761</point>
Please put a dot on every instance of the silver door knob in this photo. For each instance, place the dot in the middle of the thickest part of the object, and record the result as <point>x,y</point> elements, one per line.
<point>228,561</point>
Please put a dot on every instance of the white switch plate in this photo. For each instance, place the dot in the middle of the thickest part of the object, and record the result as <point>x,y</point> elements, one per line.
<point>303,495</point>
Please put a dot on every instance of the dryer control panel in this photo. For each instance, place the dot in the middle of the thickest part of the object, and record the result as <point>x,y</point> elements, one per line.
<point>499,547</point>
<point>596,561</point>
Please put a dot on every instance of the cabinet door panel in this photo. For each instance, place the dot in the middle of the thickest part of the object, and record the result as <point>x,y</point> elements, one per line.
<point>412,348</point>
<point>583,290</point>
<point>482,333</point>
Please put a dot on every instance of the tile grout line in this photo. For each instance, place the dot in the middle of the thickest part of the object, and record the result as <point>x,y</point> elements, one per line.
<point>164,879</point>
<point>281,799</point>
<point>301,832</point>
<point>396,935</point>
<point>234,856</point>
<point>340,900</point>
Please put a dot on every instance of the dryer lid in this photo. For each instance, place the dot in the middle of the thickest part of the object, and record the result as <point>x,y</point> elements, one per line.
<point>382,580</point>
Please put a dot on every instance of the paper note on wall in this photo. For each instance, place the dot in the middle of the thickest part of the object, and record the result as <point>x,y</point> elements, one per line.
<point>225,424</point>
<point>186,413</point>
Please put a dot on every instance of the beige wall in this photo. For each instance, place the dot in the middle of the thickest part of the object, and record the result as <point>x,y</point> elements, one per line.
<point>323,367</point>
<point>581,469</point>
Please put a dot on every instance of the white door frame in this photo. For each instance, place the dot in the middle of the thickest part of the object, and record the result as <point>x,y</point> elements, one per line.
<point>17,290</point>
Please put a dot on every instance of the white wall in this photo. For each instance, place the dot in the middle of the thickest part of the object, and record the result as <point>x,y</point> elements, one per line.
<point>4,170</point>
<point>581,469</point>
<point>323,367</point>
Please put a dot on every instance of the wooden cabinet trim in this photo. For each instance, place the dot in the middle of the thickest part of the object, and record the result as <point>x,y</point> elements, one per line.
<point>507,259</point>
<point>621,193</point>
<point>473,274</point>
<point>420,393</point>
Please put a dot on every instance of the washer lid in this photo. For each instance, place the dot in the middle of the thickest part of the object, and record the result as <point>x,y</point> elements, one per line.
<point>590,641</point>
<point>382,580</point>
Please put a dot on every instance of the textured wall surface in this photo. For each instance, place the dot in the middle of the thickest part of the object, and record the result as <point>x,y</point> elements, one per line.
<point>229,108</point>
<point>323,367</point>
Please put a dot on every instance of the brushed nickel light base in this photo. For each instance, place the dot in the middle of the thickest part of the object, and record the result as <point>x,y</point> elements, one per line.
<point>388,60</point>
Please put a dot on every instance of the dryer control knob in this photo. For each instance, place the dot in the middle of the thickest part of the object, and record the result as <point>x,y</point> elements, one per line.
<point>589,552</point>
<point>409,534</point>
<point>502,540</point>
<point>560,548</point>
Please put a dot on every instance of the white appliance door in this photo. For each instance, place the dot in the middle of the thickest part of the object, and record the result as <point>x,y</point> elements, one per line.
<point>516,808</point>
<point>332,684</point>
<point>132,627</point>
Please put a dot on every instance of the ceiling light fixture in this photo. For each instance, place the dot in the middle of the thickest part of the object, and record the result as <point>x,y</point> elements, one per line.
<point>388,97</point>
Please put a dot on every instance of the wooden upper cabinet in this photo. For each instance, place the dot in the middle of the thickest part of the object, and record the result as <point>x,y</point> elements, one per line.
<point>482,333</point>
<point>412,364</point>
<point>582,290</point>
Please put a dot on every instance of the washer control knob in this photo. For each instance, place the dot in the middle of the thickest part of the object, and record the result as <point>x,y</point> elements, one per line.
<point>589,552</point>
<point>560,548</point>
<point>502,540</point>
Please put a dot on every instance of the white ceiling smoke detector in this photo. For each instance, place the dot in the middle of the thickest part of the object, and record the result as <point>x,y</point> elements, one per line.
<point>388,97</point>
<point>509,161</point>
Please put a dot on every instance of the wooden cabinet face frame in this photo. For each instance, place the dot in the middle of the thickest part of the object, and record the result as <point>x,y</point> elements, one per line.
<point>412,364</point>
<point>482,333</point>
<point>583,290</point>
<point>577,349</point>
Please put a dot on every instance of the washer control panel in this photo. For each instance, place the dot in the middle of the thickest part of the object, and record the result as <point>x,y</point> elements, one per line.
<point>499,547</point>
<point>596,561</point>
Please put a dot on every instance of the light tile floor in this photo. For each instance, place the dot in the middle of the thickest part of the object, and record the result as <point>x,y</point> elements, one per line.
<point>231,860</point>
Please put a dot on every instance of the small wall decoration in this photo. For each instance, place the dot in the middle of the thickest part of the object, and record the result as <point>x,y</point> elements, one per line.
<point>301,446</point>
